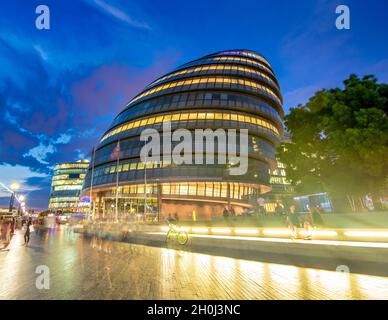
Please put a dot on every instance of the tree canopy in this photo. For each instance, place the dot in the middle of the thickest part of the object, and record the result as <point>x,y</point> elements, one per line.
<point>339,140</point>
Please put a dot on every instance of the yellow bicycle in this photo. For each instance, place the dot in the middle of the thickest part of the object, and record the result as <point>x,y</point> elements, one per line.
<point>182,237</point>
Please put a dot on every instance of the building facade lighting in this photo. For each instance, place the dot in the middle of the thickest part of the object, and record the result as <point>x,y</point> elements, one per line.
<point>228,90</point>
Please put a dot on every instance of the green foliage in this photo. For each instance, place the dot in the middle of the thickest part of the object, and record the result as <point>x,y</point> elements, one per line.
<point>339,140</point>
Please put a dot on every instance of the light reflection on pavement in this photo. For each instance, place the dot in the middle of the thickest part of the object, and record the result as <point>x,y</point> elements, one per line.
<point>82,268</point>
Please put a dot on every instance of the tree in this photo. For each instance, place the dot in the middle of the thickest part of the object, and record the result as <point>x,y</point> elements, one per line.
<point>339,143</point>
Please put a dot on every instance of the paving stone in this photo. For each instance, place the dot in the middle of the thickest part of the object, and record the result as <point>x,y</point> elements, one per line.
<point>83,268</point>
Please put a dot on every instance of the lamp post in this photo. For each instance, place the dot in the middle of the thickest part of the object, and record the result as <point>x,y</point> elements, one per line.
<point>14,186</point>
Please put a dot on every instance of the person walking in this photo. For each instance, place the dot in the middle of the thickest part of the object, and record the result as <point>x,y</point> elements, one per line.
<point>308,224</point>
<point>313,220</point>
<point>2,233</point>
<point>293,221</point>
<point>27,233</point>
<point>1,229</point>
<point>279,209</point>
<point>225,213</point>
<point>8,232</point>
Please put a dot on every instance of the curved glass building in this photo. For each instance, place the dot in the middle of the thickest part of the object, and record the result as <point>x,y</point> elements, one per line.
<point>66,187</point>
<point>229,90</point>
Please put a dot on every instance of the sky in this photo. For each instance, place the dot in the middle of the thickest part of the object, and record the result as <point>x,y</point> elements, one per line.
<point>61,88</point>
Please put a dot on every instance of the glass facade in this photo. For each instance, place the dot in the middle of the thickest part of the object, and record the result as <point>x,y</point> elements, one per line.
<point>235,90</point>
<point>66,186</point>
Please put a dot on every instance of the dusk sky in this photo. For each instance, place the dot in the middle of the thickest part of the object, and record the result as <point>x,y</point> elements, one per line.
<point>61,88</point>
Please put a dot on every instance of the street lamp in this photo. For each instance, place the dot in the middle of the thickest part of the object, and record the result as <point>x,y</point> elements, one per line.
<point>14,186</point>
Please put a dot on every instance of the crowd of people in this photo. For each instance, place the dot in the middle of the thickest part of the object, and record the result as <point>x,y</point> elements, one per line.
<point>9,224</point>
<point>7,228</point>
<point>295,220</point>
<point>308,221</point>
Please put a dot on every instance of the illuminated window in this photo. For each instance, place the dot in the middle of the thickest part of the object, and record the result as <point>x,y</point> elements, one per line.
<point>216,190</point>
<point>166,189</point>
<point>195,116</point>
<point>201,189</point>
<point>224,190</point>
<point>69,187</point>
<point>207,80</point>
<point>209,189</point>
<point>183,190</point>
<point>233,117</point>
<point>192,189</point>
<point>174,189</point>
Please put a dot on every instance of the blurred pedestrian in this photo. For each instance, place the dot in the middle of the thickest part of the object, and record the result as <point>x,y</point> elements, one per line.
<point>8,232</point>
<point>317,218</point>
<point>13,223</point>
<point>225,212</point>
<point>279,209</point>
<point>309,224</point>
<point>293,221</point>
<point>245,212</point>
<point>3,229</point>
<point>27,233</point>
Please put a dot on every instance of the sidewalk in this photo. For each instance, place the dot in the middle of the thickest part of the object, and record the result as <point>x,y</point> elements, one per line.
<point>360,257</point>
<point>17,240</point>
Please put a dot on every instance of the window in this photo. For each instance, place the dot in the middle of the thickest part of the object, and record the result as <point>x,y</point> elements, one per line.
<point>192,190</point>
<point>209,189</point>
<point>175,117</point>
<point>194,116</point>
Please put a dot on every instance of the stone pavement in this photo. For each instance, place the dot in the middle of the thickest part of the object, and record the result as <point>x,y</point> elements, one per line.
<point>82,268</point>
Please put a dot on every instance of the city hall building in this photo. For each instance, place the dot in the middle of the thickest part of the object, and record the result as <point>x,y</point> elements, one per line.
<point>230,90</point>
<point>66,186</point>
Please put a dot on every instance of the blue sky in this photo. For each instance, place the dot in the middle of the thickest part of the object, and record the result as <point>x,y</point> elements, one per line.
<point>61,88</point>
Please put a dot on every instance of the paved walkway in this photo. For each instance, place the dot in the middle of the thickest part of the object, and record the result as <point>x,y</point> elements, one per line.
<point>94,269</point>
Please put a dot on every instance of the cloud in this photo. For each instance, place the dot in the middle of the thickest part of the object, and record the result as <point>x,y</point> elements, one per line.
<point>57,103</point>
<point>64,138</point>
<point>22,175</point>
<point>10,118</point>
<point>81,155</point>
<point>40,152</point>
<point>47,146</point>
<point>43,54</point>
<point>117,14</point>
